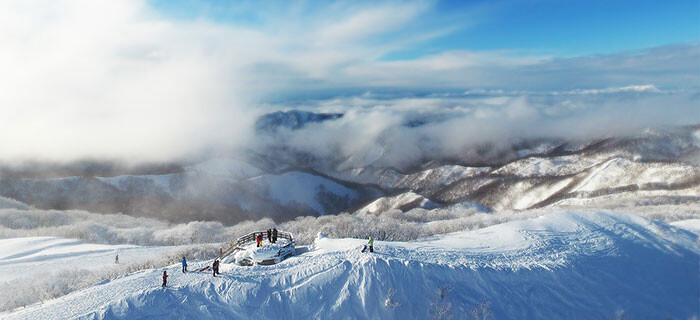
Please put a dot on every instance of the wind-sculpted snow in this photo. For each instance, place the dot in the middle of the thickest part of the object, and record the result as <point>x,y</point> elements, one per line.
<point>563,265</point>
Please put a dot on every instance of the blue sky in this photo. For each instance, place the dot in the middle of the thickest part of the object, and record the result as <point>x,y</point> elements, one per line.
<point>544,27</point>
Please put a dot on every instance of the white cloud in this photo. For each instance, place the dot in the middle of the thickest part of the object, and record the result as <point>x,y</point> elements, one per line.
<point>368,22</point>
<point>647,88</point>
<point>117,80</point>
<point>375,131</point>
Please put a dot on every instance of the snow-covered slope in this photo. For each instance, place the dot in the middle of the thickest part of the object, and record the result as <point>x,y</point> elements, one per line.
<point>404,202</point>
<point>227,167</point>
<point>655,167</point>
<point>292,119</point>
<point>220,190</point>
<point>47,255</point>
<point>565,265</point>
<point>305,189</point>
<point>6,203</point>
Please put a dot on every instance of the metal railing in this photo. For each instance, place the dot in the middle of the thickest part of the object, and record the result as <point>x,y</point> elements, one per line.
<point>249,238</point>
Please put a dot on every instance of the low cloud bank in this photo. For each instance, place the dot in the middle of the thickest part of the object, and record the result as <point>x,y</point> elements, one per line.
<point>402,132</point>
<point>126,82</point>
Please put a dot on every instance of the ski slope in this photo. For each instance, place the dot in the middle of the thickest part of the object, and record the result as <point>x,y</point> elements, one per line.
<point>50,255</point>
<point>564,265</point>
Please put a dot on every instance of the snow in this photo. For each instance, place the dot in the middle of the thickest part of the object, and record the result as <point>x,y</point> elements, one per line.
<point>268,251</point>
<point>554,166</point>
<point>397,202</point>
<point>440,176</point>
<point>46,255</point>
<point>227,167</point>
<point>538,193</point>
<point>583,265</point>
<point>539,149</point>
<point>692,225</point>
<point>301,187</point>
<point>618,172</point>
<point>7,203</point>
<point>123,182</point>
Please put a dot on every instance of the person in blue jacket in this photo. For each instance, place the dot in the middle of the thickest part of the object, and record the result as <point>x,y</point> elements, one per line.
<point>184,265</point>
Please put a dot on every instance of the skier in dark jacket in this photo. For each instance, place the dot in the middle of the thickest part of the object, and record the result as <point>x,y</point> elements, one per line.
<point>274,235</point>
<point>269,235</point>
<point>184,265</point>
<point>165,279</point>
<point>215,267</point>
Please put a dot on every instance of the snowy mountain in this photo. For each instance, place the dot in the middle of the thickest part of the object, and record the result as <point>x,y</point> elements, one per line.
<point>659,167</point>
<point>292,119</point>
<point>207,191</point>
<point>583,265</point>
<point>550,229</point>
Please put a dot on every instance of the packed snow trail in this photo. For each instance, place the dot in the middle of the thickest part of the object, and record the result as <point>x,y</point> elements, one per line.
<point>565,265</point>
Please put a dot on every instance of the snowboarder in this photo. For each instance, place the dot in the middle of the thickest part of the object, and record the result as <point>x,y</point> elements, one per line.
<point>369,244</point>
<point>116,259</point>
<point>165,279</point>
<point>274,235</point>
<point>215,267</point>
<point>269,235</point>
<point>184,265</point>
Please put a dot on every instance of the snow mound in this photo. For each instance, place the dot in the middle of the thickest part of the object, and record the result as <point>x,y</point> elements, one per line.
<point>564,265</point>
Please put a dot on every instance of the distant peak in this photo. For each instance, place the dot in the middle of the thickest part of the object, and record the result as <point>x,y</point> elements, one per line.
<point>292,119</point>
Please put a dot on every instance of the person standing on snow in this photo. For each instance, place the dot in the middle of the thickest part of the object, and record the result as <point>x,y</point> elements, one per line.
<point>269,235</point>
<point>258,239</point>
<point>370,243</point>
<point>116,259</point>
<point>165,279</point>
<point>274,235</point>
<point>215,267</point>
<point>184,265</point>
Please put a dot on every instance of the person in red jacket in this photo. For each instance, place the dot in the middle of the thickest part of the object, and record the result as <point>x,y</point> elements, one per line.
<point>165,279</point>
<point>260,239</point>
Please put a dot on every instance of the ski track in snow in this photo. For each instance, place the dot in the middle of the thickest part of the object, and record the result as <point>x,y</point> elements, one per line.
<point>562,265</point>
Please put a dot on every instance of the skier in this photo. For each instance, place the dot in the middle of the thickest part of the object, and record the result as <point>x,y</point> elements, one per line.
<point>116,259</point>
<point>274,235</point>
<point>184,265</point>
<point>269,235</point>
<point>259,239</point>
<point>215,267</point>
<point>165,279</point>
